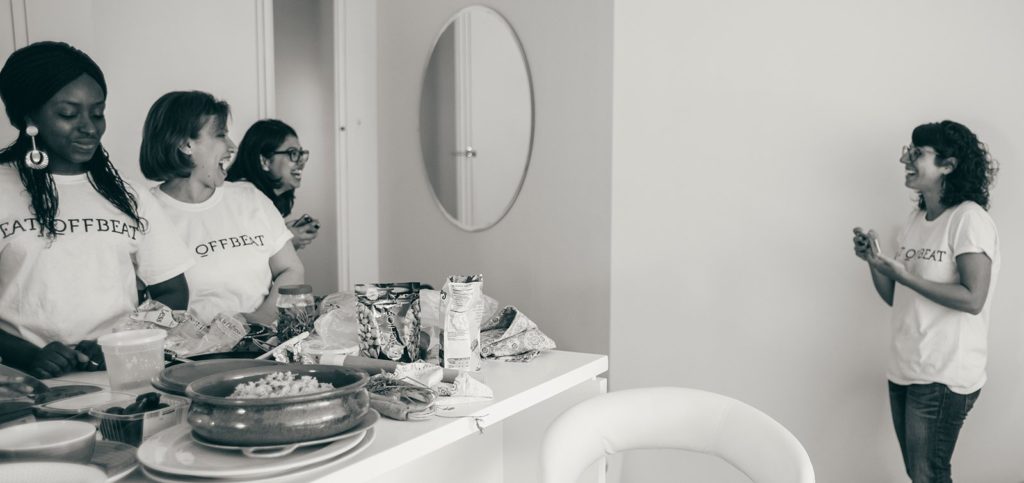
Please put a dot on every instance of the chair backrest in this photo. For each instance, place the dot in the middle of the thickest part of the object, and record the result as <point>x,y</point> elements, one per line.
<point>673,418</point>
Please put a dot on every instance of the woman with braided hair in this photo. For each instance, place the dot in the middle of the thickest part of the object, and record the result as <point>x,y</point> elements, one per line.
<point>939,282</point>
<point>74,235</point>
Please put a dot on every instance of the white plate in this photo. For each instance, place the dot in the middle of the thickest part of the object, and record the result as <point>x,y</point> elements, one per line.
<point>294,475</point>
<point>36,471</point>
<point>173,451</point>
<point>278,450</point>
<point>115,458</point>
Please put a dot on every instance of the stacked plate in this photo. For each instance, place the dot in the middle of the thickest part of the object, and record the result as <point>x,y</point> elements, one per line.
<point>178,455</point>
<point>111,461</point>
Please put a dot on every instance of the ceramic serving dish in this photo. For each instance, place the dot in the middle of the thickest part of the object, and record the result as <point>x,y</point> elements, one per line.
<point>279,420</point>
<point>72,441</point>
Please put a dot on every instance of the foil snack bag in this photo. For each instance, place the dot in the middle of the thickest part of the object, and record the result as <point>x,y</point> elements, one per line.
<point>389,321</point>
<point>461,311</point>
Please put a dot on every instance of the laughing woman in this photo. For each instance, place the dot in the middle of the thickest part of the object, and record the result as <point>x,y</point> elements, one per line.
<point>939,283</point>
<point>271,158</point>
<point>239,239</point>
<point>75,235</point>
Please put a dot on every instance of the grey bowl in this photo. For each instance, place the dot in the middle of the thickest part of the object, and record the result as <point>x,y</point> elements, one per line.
<point>281,420</point>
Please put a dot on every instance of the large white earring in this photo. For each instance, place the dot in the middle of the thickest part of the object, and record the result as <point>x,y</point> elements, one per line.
<point>35,159</point>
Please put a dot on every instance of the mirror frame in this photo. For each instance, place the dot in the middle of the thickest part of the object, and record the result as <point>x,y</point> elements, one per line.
<point>533,123</point>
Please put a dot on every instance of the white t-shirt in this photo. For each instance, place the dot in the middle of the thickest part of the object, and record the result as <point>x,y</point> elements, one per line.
<point>81,284</point>
<point>232,236</point>
<point>930,342</point>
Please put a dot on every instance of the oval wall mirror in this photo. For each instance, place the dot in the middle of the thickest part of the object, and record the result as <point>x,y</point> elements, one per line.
<point>476,118</point>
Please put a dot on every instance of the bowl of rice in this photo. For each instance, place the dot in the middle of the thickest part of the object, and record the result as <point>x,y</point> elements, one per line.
<point>277,404</point>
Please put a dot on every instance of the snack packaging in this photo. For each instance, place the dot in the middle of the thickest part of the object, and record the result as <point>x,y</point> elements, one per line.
<point>185,332</point>
<point>186,337</point>
<point>399,399</point>
<point>389,321</point>
<point>461,310</point>
<point>226,330</point>
<point>509,335</point>
<point>430,323</point>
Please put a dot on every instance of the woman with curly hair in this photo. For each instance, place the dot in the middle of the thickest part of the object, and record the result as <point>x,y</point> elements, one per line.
<point>939,283</point>
<point>74,235</point>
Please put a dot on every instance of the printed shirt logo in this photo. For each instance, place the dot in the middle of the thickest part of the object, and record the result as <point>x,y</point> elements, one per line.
<point>206,248</point>
<point>70,225</point>
<point>926,254</point>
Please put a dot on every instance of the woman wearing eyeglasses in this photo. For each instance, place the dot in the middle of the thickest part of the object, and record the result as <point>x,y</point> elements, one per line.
<point>939,278</point>
<point>241,245</point>
<point>271,158</point>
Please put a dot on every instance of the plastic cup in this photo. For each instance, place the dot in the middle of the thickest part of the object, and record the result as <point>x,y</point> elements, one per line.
<point>133,357</point>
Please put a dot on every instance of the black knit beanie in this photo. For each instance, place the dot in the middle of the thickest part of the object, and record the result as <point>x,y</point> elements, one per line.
<point>33,74</point>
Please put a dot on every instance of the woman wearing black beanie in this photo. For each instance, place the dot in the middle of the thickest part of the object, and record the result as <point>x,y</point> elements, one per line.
<point>74,235</point>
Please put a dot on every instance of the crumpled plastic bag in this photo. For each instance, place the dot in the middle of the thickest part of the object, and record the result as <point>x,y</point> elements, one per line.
<point>338,328</point>
<point>429,375</point>
<point>344,301</point>
<point>511,336</point>
<point>225,332</point>
<point>186,333</point>
<point>399,399</point>
<point>464,386</point>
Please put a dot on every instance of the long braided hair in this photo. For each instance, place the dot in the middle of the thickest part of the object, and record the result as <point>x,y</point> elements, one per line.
<point>29,78</point>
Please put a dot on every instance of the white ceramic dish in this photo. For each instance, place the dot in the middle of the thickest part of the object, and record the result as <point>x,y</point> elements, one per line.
<point>115,458</point>
<point>71,441</point>
<point>37,471</point>
<point>275,451</point>
<point>175,453</point>
<point>296,475</point>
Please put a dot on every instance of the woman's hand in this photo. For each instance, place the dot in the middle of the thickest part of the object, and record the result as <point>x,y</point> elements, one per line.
<point>304,231</point>
<point>55,359</point>
<point>883,269</point>
<point>861,243</point>
<point>887,266</point>
<point>865,246</point>
<point>94,352</point>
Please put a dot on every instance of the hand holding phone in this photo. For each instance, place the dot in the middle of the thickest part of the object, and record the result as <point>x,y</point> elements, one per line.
<point>866,243</point>
<point>305,220</point>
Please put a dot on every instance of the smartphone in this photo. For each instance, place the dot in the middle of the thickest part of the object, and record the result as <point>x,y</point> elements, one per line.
<point>875,247</point>
<point>304,220</point>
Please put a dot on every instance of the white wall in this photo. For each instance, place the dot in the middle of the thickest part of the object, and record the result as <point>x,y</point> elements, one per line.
<point>550,255</point>
<point>147,48</point>
<point>749,138</point>
<point>304,79</point>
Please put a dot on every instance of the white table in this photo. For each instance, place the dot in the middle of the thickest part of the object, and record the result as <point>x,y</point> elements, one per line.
<point>497,441</point>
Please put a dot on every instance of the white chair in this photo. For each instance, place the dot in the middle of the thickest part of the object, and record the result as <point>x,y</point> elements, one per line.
<point>672,418</point>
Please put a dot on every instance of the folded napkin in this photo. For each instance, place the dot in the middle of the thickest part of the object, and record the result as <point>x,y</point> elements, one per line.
<point>511,336</point>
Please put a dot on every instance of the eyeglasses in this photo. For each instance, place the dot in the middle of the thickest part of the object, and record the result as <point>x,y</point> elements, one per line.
<point>911,152</point>
<point>295,155</point>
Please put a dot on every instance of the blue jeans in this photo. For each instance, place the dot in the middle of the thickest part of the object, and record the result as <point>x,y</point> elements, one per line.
<point>928,418</point>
